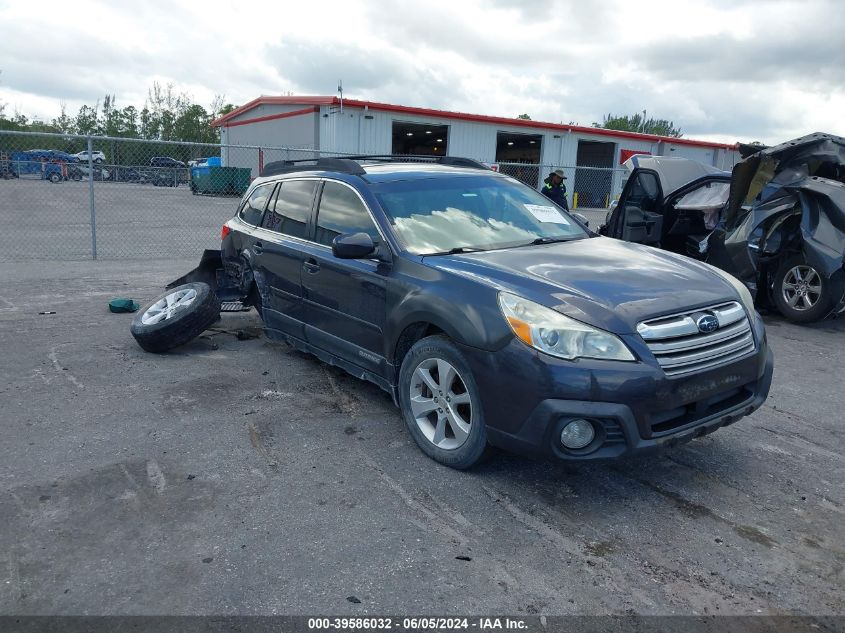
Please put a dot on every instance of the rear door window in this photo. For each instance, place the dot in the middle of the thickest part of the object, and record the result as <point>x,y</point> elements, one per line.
<point>291,208</point>
<point>342,212</point>
<point>253,208</point>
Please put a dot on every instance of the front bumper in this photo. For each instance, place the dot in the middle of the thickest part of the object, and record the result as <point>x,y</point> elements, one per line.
<point>634,407</point>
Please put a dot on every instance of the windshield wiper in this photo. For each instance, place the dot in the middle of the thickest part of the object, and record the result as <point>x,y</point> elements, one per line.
<point>548,240</point>
<point>457,250</point>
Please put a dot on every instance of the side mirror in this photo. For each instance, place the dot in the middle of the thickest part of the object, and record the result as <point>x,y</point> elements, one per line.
<point>353,246</point>
<point>582,219</point>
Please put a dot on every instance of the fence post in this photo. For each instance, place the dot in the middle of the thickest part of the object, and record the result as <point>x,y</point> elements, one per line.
<point>91,197</point>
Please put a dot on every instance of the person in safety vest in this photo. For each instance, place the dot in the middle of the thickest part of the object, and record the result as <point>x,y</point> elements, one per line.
<point>554,189</point>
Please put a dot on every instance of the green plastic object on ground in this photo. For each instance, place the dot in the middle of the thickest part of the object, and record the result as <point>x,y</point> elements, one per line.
<point>123,305</point>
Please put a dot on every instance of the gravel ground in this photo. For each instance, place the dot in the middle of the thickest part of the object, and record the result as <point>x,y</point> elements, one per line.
<point>238,476</point>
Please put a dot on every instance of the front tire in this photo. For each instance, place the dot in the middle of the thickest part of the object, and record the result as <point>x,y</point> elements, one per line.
<point>176,317</point>
<point>441,403</point>
<point>800,292</point>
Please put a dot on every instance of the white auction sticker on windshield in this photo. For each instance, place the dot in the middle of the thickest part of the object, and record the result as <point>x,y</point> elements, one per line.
<point>546,214</point>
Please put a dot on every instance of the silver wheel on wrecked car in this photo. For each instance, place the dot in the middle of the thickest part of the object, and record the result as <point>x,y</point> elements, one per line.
<point>801,287</point>
<point>800,292</point>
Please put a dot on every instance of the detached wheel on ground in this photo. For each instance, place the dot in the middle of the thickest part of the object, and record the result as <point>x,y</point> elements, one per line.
<point>441,404</point>
<point>800,293</point>
<point>176,317</point>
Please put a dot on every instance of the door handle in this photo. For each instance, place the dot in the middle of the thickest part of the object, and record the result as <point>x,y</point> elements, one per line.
<point>258,248</point>
<point>311,266</point>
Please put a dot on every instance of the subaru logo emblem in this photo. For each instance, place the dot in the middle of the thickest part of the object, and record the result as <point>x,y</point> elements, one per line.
<point>707,323</point>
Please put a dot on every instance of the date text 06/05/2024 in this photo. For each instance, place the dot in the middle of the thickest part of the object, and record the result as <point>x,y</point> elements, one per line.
<point>417,623</point>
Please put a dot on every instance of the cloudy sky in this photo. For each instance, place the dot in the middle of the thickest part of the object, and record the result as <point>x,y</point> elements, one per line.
<point>722,70</point>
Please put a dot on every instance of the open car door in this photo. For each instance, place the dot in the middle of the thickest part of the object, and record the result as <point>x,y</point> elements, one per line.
<point>638,215</point>
<point>692,213</point>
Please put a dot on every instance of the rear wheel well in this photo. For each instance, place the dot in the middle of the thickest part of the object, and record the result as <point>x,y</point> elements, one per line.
<point>408,337</point>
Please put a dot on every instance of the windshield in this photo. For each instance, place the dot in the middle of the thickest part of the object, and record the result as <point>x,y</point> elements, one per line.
<point>438,215</point>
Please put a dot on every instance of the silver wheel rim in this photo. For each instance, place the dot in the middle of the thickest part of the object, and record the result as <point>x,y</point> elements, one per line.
<point>441,404</point>
<point>801,288</point>
<point>163,309</point>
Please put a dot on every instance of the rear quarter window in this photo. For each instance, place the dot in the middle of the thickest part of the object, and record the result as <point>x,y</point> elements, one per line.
<point>291,209</point>
<point>253,208</point>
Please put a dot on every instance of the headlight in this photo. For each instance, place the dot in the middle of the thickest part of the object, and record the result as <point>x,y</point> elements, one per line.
<point>744,294</point>
<point>557,335</point>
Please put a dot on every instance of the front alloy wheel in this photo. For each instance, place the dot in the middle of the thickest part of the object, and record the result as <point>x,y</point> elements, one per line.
<point>441,403</point>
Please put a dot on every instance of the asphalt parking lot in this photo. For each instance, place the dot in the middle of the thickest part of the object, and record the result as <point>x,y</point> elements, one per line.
<point>53,221</point>
<point>238,476</point>
<point>42,220</point>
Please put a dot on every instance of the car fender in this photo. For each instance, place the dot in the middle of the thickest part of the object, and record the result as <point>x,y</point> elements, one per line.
<point>464,317</point>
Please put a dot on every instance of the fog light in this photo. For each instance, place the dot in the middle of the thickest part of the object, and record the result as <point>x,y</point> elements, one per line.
<point>577,434</point>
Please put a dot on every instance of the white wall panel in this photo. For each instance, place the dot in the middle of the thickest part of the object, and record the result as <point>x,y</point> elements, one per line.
<point>361,131</point>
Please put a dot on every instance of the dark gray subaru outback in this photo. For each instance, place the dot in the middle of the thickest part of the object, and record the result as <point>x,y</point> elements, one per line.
<point>491,316</point>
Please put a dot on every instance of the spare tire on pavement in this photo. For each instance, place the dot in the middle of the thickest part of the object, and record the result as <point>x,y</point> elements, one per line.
<point>176,317</point>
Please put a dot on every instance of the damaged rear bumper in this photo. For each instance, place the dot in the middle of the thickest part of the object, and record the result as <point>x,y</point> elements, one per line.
<point>211,271</point>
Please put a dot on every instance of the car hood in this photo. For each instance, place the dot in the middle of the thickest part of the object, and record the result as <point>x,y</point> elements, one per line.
<point>673,173</point>
<point>607,283</point>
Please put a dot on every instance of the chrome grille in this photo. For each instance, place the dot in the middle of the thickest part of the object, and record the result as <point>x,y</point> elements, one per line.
<point>681,348</point>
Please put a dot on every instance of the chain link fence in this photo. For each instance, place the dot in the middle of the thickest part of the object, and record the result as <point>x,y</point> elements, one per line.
<point>588,188</point>
<point>65,197</point>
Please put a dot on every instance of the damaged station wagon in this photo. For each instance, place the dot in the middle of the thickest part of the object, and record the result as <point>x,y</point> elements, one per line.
<point>491,316</point>
<point>777,222</point>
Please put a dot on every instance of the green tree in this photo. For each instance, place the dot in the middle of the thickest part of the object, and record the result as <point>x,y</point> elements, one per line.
<point>109,124</point>
<point>41,126</point>
<point>166,116</point>
<point>640,123</point>
<point>194,124</point>
<point>129,122</point>
<point>17,123</point>
<point>524,116</point>
<point>149,124</point>
<point>63,123</point>
<point>87,120</point>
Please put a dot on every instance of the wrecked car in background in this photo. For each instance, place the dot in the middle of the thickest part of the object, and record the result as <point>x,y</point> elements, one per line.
<point>777,222</point>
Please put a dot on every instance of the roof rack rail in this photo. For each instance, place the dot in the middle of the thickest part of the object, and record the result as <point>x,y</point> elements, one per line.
<point>351,164</point>
<point>458,161</point>
<point>454,161</point>
<point>343,165</point>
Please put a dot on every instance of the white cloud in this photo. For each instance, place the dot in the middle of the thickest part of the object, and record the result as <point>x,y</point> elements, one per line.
<point>721,70</point>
